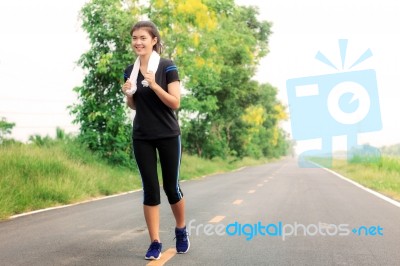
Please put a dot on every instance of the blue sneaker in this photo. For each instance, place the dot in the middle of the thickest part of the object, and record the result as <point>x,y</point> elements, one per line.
<point>182,240</point>
<point>154,251</point>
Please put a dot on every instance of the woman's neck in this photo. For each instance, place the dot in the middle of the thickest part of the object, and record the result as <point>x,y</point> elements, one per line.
<point>144,60</point>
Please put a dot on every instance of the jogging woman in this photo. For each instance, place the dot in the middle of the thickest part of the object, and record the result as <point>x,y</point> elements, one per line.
<point>152,88</point>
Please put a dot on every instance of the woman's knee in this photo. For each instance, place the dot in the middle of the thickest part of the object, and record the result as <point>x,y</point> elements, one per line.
<point>151,199</point>
<point>174,193</point>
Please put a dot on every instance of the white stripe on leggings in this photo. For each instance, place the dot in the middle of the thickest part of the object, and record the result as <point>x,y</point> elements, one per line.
<point>179,166</point>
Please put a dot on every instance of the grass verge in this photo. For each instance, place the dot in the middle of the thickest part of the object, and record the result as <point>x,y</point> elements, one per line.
<point>33,177</point>
<point>382,175</point>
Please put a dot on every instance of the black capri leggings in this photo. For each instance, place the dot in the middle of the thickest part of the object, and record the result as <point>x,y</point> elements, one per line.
<point>169,152</point>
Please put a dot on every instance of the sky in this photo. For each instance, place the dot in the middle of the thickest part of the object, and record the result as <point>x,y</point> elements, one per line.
<point>41,41</point>
<point>302,28</point>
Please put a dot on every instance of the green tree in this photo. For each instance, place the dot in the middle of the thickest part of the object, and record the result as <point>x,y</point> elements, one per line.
<point>217,47</point>
<point>218,63</point>
<point>188,29</point>
<point>101,113</point>
<point>5,128</point>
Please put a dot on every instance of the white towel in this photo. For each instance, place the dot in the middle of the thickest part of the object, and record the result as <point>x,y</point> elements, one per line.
<point>154,60</point>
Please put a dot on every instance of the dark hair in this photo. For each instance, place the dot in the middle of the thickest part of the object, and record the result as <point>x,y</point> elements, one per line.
<point>151,28</point>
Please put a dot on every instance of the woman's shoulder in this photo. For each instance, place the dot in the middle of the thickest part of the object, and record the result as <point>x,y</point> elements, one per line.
<point>167,65</point>
<point>165,62</point>
<point>128,71</point>
<point>129,68</point>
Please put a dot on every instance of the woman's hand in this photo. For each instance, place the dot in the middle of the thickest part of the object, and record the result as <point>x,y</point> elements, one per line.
<point>150,77</point>
<point>127,86</point>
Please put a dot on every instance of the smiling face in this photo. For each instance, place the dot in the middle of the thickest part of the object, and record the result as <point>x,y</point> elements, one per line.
<point>143,42</point>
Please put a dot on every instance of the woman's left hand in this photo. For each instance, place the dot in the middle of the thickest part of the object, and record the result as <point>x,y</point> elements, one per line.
<point>150,77</point>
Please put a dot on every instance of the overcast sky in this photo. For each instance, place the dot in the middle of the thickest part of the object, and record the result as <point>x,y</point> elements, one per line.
<point>302,28</point>
<point>41,41</point>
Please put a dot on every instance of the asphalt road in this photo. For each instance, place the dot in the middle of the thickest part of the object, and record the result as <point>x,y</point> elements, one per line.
<point>303,216</point>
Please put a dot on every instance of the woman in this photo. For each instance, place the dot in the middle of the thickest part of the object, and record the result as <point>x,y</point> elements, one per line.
<point>152,87</point>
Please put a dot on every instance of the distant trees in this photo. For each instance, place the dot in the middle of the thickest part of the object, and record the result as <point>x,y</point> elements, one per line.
<point>5,128</point>
<point>393,150</point>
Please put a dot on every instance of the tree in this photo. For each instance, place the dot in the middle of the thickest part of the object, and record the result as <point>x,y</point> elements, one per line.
<point>5,128</point>
<point>101,113</point>
<point>218,63</point>
<point>216,46</point>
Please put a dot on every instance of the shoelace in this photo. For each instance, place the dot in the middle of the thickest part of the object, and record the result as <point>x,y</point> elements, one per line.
<point>181,236</point>
<point>154,246</point>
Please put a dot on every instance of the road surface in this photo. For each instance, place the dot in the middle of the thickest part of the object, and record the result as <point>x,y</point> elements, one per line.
<point>304,216</point>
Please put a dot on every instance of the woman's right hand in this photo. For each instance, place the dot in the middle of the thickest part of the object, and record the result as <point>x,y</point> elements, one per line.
<point>127,86</point>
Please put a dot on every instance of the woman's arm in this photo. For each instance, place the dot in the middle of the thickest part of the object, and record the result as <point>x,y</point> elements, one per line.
<point>172,98</point>
<point>130,101</point>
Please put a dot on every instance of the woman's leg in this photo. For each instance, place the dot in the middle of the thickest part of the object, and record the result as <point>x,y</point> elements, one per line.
<point>170,158</point>
<point>146,158</point>
<point>152,216</point>
<point>169,151</point>
<point>178,209</point>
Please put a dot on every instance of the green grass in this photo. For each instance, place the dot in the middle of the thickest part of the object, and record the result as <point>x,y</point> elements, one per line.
<point>381,175</point>
<point>33,177</point>
<point>194,167</point>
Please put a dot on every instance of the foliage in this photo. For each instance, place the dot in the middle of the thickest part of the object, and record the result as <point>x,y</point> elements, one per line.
<point>217,46</point>
<point>218,54</point>
<point>41,141</point>
<point>5,128</point>
<point>101,112</point>
<point>46,141</point>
